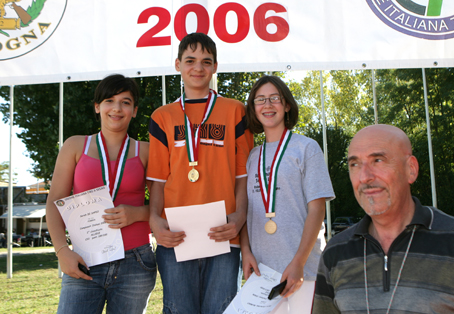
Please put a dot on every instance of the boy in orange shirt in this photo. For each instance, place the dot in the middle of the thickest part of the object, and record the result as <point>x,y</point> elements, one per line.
<point>181,173</point>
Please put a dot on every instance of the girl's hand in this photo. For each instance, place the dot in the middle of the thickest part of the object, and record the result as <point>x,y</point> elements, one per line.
<point>294,273</point>
<point>69,263</point>
<point>118,217</point>
<point>249,265</point>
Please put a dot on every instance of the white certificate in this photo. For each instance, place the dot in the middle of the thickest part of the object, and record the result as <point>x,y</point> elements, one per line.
<point>90,236</point>
<point>253,297</point>
<point>196,221</point>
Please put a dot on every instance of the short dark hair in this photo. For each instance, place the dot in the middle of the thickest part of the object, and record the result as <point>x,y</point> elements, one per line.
<point>286,97</point>
<point>191,40</point>
<point>115,84</point>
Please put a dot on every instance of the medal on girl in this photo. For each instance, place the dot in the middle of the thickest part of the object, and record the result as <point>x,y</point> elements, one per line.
<point>268,187</point>
<point>112,177</point>
<point>193,136</point>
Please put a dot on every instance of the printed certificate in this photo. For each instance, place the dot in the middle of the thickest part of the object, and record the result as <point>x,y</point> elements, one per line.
<point>253,297</point>
<point>90,236</point>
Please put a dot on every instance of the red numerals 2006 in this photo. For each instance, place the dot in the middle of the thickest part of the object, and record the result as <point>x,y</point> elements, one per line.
<point>219,23</point>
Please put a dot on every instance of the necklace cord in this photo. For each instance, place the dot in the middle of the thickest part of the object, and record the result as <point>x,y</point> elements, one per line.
<point>398,276</point>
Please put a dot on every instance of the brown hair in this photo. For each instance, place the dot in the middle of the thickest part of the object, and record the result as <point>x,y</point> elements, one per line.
<point>286,97</point>
<point>115,84</point>
<point>191,41</point>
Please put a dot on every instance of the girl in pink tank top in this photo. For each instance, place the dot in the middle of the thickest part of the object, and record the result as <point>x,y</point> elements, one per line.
<point>88,162</point>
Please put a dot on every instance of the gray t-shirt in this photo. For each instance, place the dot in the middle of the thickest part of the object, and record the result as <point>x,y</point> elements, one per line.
<point>302,177</point>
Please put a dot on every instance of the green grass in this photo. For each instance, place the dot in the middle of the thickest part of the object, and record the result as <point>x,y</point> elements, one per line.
<point>35,286</point>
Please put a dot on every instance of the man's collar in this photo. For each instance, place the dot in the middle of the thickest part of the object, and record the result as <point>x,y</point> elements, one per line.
<point>423,216</point>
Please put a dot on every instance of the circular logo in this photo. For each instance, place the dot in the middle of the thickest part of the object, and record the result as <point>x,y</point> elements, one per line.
<point>428,19</point>
<point>27,24</point>
<point>60,203</point>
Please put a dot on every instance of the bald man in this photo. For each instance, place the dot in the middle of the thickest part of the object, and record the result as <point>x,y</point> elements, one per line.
<point>400,257</point>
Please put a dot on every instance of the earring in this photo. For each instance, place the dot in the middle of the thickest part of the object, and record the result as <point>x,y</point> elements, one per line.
<point>288,117</point>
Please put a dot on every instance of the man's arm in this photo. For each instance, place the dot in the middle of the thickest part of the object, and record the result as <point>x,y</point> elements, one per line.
<point>324,291</point>
<point>159,225</point>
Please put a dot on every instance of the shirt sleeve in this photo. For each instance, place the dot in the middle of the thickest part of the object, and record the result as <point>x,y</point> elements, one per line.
<point>158,157</point>
<point>315,179</point>
<point>244,142</point>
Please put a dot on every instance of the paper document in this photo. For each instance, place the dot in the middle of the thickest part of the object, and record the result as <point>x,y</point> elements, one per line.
<point>90,236</point>
<point>196,221</point>
<point>253,297</point>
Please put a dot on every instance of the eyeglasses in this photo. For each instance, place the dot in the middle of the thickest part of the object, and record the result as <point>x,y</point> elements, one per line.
<point>272,99</point>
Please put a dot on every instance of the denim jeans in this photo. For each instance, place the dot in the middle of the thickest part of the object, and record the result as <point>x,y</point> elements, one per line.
<point>201,286</point>
<point>125,285</point>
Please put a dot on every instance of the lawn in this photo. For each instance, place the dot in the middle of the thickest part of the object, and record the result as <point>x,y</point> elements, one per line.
<point>35,286</point>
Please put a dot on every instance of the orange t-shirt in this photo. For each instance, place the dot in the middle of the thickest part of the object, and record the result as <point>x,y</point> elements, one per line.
<point>225,144</point>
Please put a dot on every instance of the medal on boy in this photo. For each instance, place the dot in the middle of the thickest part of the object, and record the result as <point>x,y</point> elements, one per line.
<point>268,187</point>
<point>193,174</point>
<point>112,177</point>
<point>193,136</point>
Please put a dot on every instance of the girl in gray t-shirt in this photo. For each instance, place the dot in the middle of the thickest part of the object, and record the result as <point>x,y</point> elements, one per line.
<point>288,184</point>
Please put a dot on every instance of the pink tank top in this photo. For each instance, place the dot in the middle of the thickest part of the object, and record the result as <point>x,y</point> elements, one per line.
<point>88,175</point>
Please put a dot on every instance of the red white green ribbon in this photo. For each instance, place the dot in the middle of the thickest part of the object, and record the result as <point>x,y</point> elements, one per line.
<point>112,177</point>
<point>193,136</point>
<point>268,187</point>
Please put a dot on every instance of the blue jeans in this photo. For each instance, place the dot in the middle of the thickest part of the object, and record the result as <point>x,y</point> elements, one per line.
<point>205,286</point>
<point>125,285</point>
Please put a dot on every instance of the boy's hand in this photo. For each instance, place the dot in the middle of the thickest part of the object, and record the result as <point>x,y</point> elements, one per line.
<point>163,235</point>
<point>230,230</point>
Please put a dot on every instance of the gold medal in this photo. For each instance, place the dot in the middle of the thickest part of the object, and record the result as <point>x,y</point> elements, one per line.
<point>193,175</point>
<point>270,227</point>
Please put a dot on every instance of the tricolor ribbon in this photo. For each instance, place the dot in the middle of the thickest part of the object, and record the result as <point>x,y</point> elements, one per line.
<point>112,177</point>
<point>193,136</point>
<point>268,187</point>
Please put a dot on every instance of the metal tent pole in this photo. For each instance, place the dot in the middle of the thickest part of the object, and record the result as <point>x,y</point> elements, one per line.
<point>374,97</point>
<point>60,141</point>
<point>429,142</point>
<point>325,153</point>
<point>164,93</point>
<point>9,258</point>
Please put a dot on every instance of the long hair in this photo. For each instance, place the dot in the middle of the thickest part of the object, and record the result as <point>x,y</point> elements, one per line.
<point>286,97</point>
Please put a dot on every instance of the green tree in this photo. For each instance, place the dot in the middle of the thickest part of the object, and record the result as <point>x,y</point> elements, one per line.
<point>36,111</point>
<point>401,103</point>
<point>345,203</point>
<point>347,99</point>
<point>37,107</point>
<point>4,173</point>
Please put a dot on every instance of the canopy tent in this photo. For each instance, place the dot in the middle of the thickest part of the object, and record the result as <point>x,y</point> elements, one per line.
<point>63,41</point>
<point>26,211</point>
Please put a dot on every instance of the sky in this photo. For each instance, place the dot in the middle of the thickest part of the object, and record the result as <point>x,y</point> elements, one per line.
<point>22,163</point>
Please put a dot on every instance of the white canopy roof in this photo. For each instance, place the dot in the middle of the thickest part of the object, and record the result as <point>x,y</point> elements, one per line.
<point>26,211</point>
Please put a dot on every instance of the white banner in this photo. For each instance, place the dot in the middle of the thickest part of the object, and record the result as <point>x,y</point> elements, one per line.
<point>45,41</point>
